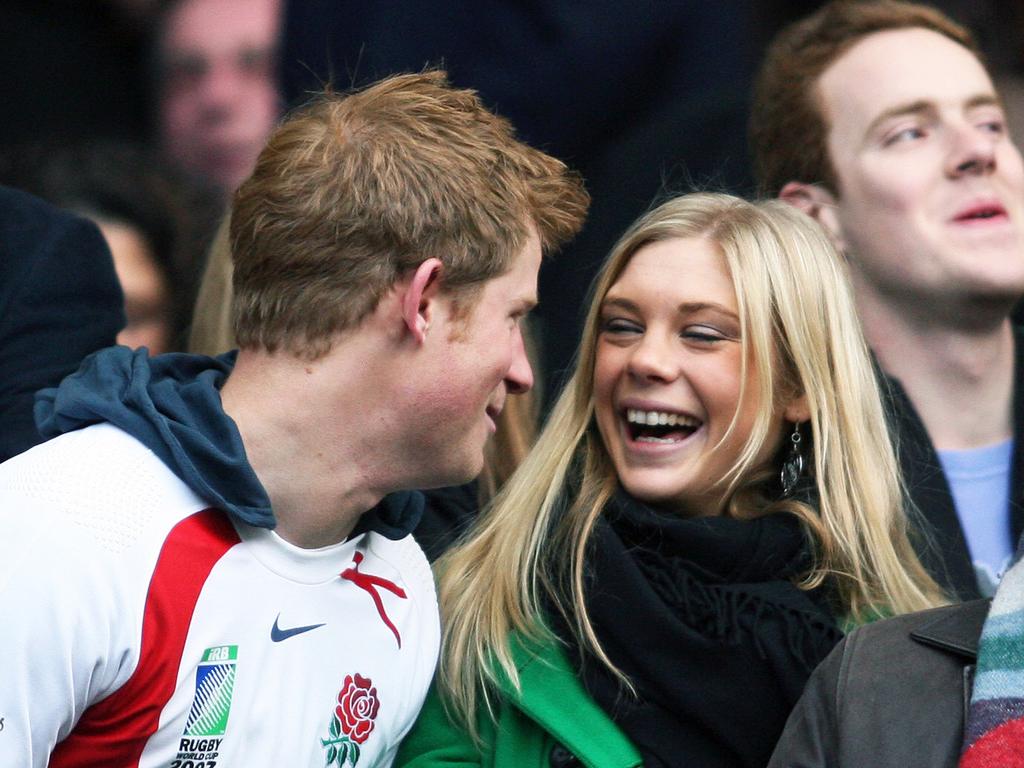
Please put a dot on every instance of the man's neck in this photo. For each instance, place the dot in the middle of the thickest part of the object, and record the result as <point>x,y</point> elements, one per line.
<point>318,488</point>
<point>960,379</point>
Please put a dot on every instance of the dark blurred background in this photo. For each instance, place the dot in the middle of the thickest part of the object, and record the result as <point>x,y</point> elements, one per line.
<point>162,106</point>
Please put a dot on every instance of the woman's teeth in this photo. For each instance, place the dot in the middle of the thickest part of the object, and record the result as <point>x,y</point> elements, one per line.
<point>660,426</point>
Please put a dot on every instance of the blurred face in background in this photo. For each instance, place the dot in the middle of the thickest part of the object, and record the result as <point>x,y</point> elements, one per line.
<point>146,292</point>
<point>218,92</point>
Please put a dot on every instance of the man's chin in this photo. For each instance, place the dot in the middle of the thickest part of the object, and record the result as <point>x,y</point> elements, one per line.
<point>455,475</point>
<point>472,472</point>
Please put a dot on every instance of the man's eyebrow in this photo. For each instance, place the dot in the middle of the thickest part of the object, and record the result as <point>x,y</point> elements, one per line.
<point>922,106</point>
<point>984,100</point>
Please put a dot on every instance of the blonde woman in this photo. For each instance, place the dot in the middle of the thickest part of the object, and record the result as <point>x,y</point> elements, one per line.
<point>714,495</point>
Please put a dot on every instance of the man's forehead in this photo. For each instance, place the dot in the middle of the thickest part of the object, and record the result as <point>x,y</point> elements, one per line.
<point>197,26</point>
<point>528,262</point>
<point>900,68</point>
<point>518,284</point>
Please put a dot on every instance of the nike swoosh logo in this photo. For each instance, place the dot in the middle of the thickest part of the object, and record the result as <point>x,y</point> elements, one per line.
<point>277,634</point>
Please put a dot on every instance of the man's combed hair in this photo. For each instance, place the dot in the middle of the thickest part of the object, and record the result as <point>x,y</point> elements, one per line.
<point>355,190</point>
<point>788,126</point>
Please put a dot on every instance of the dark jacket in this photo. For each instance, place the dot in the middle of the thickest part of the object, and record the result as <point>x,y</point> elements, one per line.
<point>946,556</point>
<point>59,301</point>
<point>893,693</point>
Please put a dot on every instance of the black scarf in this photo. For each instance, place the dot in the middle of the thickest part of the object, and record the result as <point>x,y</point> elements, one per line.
<point>702,617</point>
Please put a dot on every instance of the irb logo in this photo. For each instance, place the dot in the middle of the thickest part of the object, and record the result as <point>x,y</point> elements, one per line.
<point>215,682</point>
<point>221,653</point>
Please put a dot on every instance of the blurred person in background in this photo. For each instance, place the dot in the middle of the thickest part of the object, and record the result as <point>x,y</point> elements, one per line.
<point>59,301</point>
<point>142,209</point>
<point>216,85</point>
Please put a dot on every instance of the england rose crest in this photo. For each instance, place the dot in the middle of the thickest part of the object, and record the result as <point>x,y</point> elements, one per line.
<point>352,721</point>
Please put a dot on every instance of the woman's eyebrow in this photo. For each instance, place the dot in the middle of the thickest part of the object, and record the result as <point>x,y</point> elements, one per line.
<point>688,307</point>
<point>616,301</point>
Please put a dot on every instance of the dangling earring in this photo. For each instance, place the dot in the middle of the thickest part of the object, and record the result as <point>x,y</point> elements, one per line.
<point>793,465</point>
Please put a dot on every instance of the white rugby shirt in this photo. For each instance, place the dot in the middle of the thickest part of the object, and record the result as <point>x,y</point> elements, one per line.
<point>141,628</point>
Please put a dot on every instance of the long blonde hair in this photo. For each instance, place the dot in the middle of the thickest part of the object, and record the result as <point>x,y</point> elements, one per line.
<point>800,331</point>
<point>211,331</point>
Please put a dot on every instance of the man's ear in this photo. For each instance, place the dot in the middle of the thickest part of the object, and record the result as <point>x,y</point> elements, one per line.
<point>419,296</point>
<point>818,203</point>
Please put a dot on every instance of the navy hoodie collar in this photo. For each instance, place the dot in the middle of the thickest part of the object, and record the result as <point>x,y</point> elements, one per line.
<point>171,403</point>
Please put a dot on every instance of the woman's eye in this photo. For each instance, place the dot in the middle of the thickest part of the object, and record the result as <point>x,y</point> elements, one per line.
<point>619,325</point>
<point>702,334</point>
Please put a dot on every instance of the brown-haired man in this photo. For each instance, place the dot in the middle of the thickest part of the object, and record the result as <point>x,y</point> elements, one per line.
<point>879,120</point>
<point>386,249</point>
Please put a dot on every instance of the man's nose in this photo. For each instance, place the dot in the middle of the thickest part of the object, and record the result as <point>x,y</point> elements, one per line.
<point>220,87</point>
<point>973,151</point>
<point>519,378</point>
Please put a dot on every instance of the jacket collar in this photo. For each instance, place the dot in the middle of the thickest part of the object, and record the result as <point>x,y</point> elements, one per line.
<point>948,559</point>
<point>955,628</point>
<point>552,695</point>
<point>944,553</point>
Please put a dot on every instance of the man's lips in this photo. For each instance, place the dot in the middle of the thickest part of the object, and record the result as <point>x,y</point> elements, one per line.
<point>493,412</point>
<point>983,212</point>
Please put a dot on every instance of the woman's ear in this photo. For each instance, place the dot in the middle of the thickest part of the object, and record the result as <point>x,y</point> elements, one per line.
<point>797,410</point>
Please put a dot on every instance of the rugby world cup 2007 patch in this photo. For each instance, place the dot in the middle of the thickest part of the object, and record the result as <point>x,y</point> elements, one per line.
<point>211,705</point>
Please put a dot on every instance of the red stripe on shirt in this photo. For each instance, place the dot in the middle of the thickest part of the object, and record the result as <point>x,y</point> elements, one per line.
<point>113,732</point>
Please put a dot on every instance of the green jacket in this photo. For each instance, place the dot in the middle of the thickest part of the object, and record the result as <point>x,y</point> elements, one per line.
<point>553,708</point>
